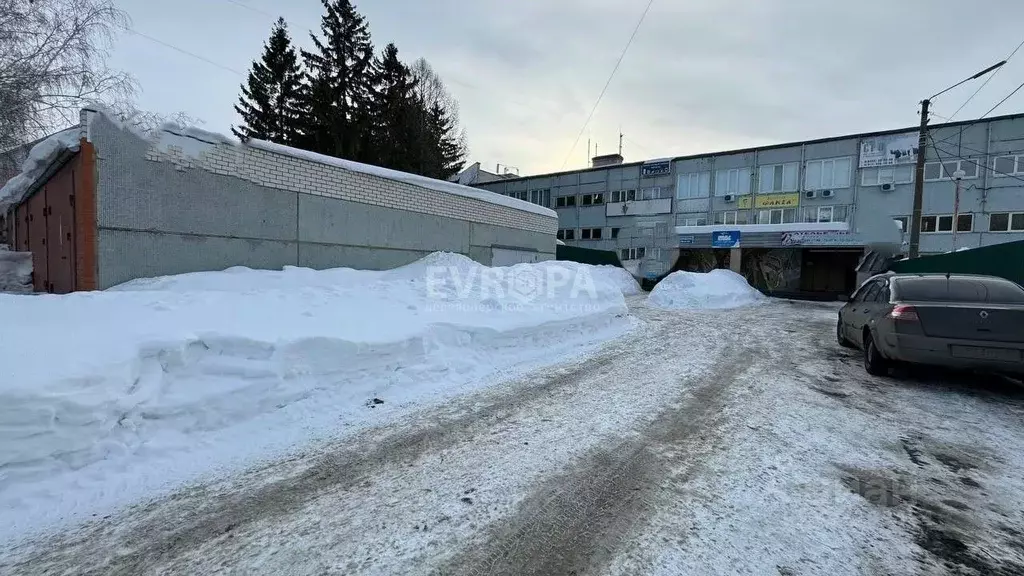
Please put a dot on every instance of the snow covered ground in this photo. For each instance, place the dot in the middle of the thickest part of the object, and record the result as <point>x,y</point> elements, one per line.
<point>737,441</point>
<point>162,381</point>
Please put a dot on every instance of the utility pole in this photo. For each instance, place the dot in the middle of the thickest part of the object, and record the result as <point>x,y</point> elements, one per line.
<point>915,217</point>
<point>922,146</point>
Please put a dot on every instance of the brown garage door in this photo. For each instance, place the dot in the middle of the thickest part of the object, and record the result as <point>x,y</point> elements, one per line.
<point>37,240</point>
<point>60,231</point>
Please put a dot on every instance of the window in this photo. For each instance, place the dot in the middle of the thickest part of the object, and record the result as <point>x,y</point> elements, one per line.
<point>652,193</point>
<point>560,234</point>
<point>942,289</point>
<point>779,178</point>
<point>623,195</point>
<point>945,170</point>
<point>633,253</point>
<point>591,199</point>
<point>825,214</point>
<point>615,232</point>
<point>827,174</point>
<point>944,223</point>
<point>1008,165</point>
<point>655,253</point>
<point>697,219</point>
<point>903,221</point>
<point>541,197</point>
<point>735,181</point>
<point>732,217</point>
<point>566,234</point>
<point>777,216</point>
<point>564,201</point>
<point>1006,222</point>
<point>887,175</point>
<point>590,233</point>
<point>696,185</point>
<point>598,198</point>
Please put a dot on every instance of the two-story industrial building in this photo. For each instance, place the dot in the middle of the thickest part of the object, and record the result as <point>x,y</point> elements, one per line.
<point>796,216</point>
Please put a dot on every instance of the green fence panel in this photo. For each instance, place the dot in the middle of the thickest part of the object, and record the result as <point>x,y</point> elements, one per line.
<point>1003,260</point>
<point>587,256</point>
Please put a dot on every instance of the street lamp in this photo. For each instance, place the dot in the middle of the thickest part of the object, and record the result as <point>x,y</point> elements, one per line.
<point>922,145</point>
<point>957,177</point>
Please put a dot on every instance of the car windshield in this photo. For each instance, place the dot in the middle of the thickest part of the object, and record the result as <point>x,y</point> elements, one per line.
<point>943,289</point>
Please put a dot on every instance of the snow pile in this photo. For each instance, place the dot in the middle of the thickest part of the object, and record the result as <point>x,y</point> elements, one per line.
<point>695,290</point>
<point>39,159</point>
<point>614,275</point>
<point>15,271</point>
<point>159,381</point>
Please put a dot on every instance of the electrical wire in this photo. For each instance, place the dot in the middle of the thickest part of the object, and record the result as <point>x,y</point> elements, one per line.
<point>183,51</point>
<point>970,161</point>
<point>608,83</point>
<point>987,80</point>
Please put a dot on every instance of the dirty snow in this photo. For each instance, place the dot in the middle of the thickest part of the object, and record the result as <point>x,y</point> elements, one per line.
<point>15,271</point>
<point>711,290</point>
<point>160,381</point>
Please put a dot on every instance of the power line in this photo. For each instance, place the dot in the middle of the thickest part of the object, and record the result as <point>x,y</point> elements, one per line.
<point>1008,96</point>
<point>968,160</point>
<point>183,51</point>
<point>608,83</point>
<point>987,80</point>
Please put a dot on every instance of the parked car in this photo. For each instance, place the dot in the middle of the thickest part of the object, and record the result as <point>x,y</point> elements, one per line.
<point>955,320</point>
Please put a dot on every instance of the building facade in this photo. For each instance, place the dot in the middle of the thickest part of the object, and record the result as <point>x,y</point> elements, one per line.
<point>798,216</point>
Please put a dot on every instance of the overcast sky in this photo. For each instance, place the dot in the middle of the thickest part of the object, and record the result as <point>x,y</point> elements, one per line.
<point>701,76</point>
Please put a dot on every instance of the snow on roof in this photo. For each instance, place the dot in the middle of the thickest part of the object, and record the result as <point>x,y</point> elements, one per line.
<point>39,160</point>
<point>416,180</point>
<point>193,142</point>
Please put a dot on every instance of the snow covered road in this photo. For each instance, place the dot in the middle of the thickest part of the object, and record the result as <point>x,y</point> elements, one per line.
<point>704,442</point>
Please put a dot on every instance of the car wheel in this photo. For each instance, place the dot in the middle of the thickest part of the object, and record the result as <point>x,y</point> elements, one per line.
<point>874,363</point>
<point>840,338</point>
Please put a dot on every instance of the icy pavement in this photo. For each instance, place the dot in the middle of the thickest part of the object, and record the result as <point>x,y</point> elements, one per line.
<point>704,442</point>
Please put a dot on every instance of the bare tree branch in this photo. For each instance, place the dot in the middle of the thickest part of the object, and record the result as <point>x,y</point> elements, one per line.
<point>53,56</point>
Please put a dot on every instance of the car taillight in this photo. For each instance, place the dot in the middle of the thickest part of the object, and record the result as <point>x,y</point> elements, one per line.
<point>904,312</point>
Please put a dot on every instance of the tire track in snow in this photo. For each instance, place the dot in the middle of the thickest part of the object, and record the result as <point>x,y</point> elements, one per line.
<point>575,523</point>
<point>147,535</point>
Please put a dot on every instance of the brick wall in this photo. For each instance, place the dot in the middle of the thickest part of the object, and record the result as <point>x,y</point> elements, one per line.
<point>305,176</point>
<point>179,204</point>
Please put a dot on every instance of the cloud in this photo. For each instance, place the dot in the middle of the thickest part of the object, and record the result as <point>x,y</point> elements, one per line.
<point>702,75</point>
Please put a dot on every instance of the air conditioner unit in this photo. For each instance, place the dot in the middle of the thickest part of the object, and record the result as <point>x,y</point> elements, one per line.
<point>828,193</point>
<point>810,194</point>
<point>887,187</point>
<point>729,198</point>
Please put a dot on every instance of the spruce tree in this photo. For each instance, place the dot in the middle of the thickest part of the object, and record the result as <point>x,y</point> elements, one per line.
<point>394,112</point>
<point>269,104</point>
<point>337,96</point>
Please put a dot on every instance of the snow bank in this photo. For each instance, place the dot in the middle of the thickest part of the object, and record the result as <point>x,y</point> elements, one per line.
<point>15,271</point>
<point>618,277</point>
<point>39,159</point>
<point>158,381</point>
<point>695,290</point>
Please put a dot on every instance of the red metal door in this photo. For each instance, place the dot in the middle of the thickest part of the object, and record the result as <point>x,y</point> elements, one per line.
<point>60,231</point>
<point>37,240</point>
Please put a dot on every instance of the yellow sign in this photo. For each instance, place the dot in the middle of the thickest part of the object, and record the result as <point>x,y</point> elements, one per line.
<point>777,200</point>
<point>744,202</point>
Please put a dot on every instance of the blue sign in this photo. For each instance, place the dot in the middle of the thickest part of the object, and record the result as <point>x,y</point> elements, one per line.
<point>725,239</point>
<point>686,240</point>
<point>656,168</point>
